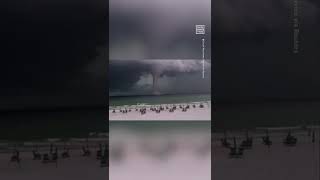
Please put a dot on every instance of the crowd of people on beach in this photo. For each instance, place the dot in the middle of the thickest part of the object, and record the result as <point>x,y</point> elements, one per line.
<point>238,151</point>
<point>52,156</point>
<point>159,108</point>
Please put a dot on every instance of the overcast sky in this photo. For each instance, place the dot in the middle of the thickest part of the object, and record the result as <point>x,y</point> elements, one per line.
<point>144,29</point>
<point>253,49</point>
<point>145,35</point>
<point>54,52</point>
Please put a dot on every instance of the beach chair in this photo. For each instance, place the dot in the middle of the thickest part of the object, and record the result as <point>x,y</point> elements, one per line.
<point>45,158</point>
<point>54,156</point>
<point>65,154</point>
<point>15,157</point>
<point>103,161</point>
<point>247,144</point>
<point>51,159</point>
<point>224,142</point>
<point>313,137</point>
<point>236,152</point>
<point>290,140</point>
<point>86,152</point>
<point>36,155</point>
<point>266,141</point>
<point>99,152</point>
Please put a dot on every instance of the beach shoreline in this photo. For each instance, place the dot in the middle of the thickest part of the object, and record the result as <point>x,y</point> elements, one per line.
<point>192,113</point>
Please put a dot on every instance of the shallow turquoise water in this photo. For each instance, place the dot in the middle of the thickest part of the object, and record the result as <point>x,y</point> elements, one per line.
<point>160,99</point>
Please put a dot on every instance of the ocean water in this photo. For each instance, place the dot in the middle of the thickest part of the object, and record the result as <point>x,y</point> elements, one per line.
<point>158,99</point>
<point>275,114</point>
<point>35,125</point>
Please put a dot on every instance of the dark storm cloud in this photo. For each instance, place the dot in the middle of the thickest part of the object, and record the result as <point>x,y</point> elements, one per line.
<point>253,49</point>
<point>128,76</point>
<point>123,74</point>
<point>143,29</point>
<point>48,45</point>
<point>147,38</point>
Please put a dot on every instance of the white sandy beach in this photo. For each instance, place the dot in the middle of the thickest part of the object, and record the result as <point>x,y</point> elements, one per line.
<point>187,157</point>
<point>277,163</point>
<point>191,114</point>
<point>77,167</point>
